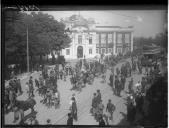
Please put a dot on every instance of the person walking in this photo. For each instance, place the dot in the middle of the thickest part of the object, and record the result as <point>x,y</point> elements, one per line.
<point>37,83</point>
<point>19,86</point>
<point>110,109</point>
<point>31,88</point>
<point>111,79</point>
<point>100,108</point>
<point>74,109</point>
<point>94,104</point>
<point>99,97</point>
<point>57,98</point>
<point>130,86</point>
<point>123,81</point>
<point>117,83</point>
<point>12,98</point>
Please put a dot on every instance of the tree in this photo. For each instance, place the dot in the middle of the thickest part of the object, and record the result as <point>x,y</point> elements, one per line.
<point>53,36</point>
<point>45,35</point>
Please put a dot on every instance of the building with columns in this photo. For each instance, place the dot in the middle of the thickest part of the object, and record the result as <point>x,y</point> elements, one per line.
<point>90,40</point>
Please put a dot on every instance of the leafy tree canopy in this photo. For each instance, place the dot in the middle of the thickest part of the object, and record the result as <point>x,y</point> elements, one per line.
<point>44,34</point>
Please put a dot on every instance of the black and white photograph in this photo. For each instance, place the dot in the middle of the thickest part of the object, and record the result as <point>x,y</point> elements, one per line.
<point>85,67</point>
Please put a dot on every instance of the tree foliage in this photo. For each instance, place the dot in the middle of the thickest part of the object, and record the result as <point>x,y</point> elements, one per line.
<point>44,34</point>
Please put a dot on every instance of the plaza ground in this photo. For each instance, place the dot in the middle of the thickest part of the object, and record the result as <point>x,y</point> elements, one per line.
<point>84,101</point>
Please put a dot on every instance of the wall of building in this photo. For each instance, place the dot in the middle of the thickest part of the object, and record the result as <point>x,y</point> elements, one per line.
<point>119,43</point>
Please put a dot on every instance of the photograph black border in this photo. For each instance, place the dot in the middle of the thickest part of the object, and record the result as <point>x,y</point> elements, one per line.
<point>8,5</point>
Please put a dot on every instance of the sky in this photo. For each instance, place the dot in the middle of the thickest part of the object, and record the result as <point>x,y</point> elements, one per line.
<point>147,23</point>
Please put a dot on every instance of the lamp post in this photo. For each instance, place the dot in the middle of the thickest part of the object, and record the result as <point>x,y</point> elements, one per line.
<point>27,50</point>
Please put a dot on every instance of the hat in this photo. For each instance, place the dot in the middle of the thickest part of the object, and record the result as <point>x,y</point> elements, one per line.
<point>73,98</point>
<point>69,114</point>
<point>48,121</point>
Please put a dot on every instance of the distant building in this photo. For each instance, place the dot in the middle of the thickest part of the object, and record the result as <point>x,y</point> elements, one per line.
<point>90,40</point>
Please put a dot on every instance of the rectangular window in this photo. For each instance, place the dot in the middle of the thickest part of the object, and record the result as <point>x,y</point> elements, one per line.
<point>67,51</point>
<point>103,50</point>
<point>119,50</point>
<point>90,40</point>
<point>103,38</point>
<point>97,50</point>
<point>119,38</point>
<point>109,50</point>
<point>80,39</point>
<point>110,38</point>
<point>90,51</point>
<point>127,49</point>
<point>127,38</point>
<point>97,38</point>
<point>97,45</point>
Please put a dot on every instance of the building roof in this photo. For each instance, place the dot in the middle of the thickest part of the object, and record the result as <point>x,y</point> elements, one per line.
<point>112,28</point>
<point>78,20</point>
<point>108,26</point>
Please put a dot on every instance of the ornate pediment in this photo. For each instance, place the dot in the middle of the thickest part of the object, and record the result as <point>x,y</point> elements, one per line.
<point>79,23</point>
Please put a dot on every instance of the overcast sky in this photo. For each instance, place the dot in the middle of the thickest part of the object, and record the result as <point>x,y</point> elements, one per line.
<point>146,23</point>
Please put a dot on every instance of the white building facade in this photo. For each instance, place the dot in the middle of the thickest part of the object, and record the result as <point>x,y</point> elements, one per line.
<point>90,40</point>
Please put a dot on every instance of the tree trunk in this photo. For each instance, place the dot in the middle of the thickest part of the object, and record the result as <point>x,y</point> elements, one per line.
<point>31,62</point>
<point>40,59</point>
<point>47,59</point>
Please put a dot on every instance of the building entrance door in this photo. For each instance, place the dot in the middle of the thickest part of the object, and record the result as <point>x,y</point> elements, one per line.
<point>79,52</point>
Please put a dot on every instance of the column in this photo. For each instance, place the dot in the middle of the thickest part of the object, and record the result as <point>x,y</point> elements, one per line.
<point>106,43</point>
<point>73,45</point>
<point>123,43</point>
<point>114,43</point>
<point>131,42</point>
<point>99,43</point>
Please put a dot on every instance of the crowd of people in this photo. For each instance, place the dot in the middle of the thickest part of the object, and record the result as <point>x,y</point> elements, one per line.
<point>84,73</point>
<point>13,90</point>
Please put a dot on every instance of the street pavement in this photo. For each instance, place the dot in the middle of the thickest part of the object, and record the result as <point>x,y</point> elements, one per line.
<point>84,101</point>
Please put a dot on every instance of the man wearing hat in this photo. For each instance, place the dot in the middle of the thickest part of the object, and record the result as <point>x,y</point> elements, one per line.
<point>74,109</point>
<point>94,104</point>
<point>110,108</point>
<point>98,96</point>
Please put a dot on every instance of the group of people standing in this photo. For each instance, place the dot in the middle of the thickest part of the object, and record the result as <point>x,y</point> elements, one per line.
<point>117,82</point>
<point>13,90</point>
<point>98,107</point>
<point>47,87</point>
